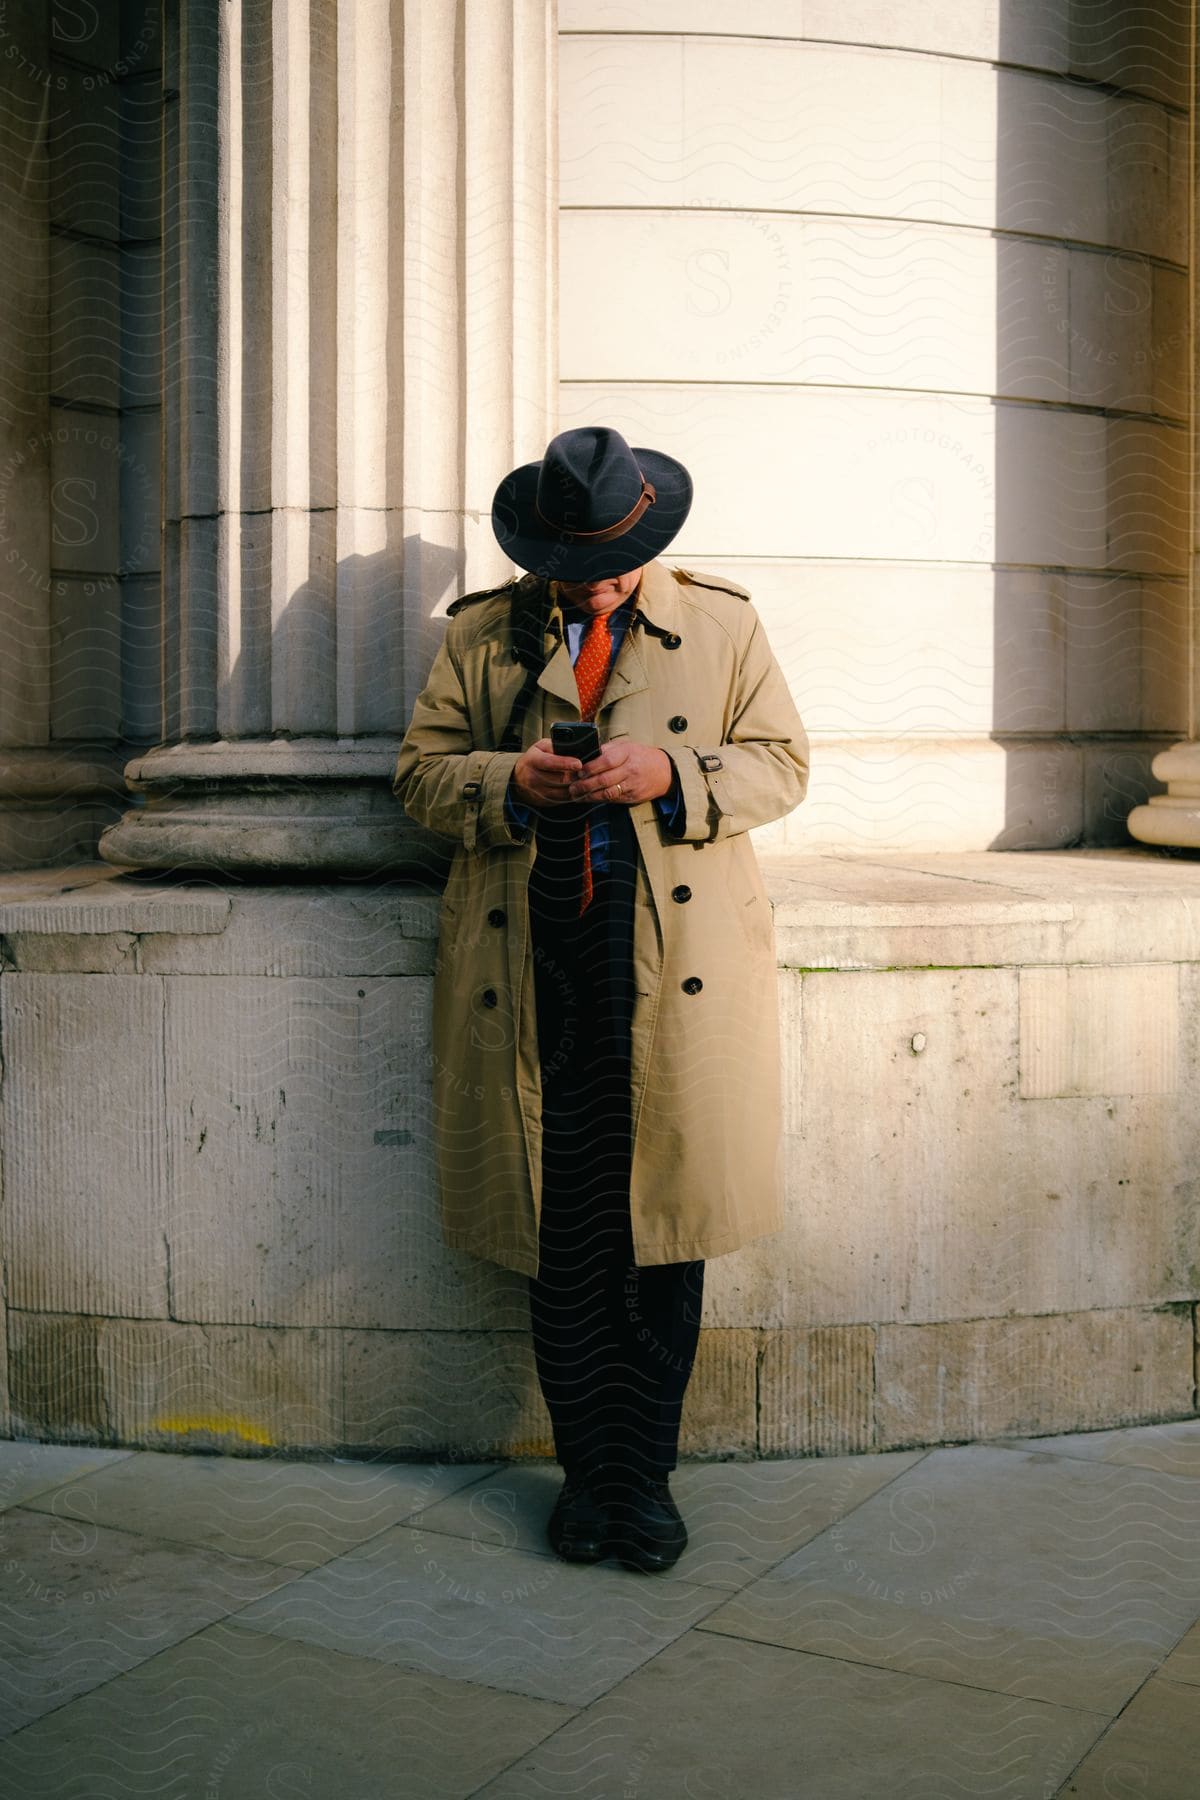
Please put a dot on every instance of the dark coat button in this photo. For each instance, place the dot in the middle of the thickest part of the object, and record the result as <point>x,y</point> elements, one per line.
<point>497,916</point>
<point>488,996</point>
<point>692,985</point>
<point>672,641</point>
<point>678,723</point>
<point>681,893</point>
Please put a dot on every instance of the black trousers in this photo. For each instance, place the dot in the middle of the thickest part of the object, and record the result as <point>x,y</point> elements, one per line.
<point>614,1343</point>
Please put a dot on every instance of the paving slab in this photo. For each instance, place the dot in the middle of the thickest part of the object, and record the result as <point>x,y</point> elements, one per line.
<point>240,1715</point>
<point>496,1615</point>
<point>82,1603</point>
<point>296,1513</point>
<point>1183,1664</point>
<point>741,1517</point>
<point>717,1719</point>
<point>1049,1577</point>
<point>1152,1752</point>
<point>28,1468</point>
<point>1174,1447</point>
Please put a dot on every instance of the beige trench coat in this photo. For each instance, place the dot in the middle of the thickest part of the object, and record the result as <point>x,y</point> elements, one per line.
<point>705,1175</point>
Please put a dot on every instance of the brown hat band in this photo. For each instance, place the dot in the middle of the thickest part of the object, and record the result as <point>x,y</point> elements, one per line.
<point>648,497</point>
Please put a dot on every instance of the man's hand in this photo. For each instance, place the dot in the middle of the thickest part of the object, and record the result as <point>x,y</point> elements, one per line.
<point>623,772</point>
<point>540,778</point>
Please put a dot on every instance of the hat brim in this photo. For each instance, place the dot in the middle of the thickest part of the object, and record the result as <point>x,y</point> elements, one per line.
<point>558,556</point>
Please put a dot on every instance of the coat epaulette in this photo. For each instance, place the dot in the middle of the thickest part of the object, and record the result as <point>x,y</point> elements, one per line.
<point>480,594</point>
<point>723,586</point>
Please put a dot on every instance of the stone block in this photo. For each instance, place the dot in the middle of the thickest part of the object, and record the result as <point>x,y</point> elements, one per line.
<point>1146,482</point>
<point>1136,47</point>
<point>991,30</point>
<point>85,308</point>
<point>140,367</point>
<point>907,1160</point>
<point>1168,343</point>
<point>86,1206</point>
<point>163,1385</point>
<point>1108,326</point>
<point>1042,145</point>
<point>929,794</point>
<point>1028,317</point>
<point>1099,1031</point>
<point>790,107</point>
<point>94,897</point>
<point>731,290</point>
<point>86,471</point>
<point>140,515</point>
<point>1117,776</point>
<point>386,930</point>
<point>299,1112</point>
<point>85,673</point>
<point>845,474</point>
<point>473,1395</point>
<point>886,648</point>
<point>74,953</point>
<point>1028,652</point>
<point>720,1407</point>
<point>753,294</point>
<point>1043,794</point>
<point>979,1378</point>
<point>1103,625</point>
<point>816,1392</point>
<point>85,160</point>
<point>1045,474</point>
<point>1147,517</point>
<point>1147,180</point>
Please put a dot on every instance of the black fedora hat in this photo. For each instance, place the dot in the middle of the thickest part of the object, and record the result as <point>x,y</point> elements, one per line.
<point>591,508</point>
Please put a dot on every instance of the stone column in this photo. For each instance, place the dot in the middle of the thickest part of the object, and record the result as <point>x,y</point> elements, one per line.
<point>359,339</point>
<point>1173,818</point>
<point>59,777</point>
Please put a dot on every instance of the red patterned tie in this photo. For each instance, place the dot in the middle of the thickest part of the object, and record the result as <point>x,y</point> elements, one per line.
<point>591,678</point>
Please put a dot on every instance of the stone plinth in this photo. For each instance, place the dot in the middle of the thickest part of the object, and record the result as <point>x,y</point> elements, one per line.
<point>221,1219</point>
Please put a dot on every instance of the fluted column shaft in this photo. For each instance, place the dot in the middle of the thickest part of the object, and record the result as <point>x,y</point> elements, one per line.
<point>1173,818</point>
<point>359,341</point>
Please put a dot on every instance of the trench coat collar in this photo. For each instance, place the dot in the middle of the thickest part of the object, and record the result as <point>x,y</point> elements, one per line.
<point>657,602</point>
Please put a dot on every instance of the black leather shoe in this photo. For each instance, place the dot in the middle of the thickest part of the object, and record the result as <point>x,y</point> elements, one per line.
<point>578,1528</point>
<point>648,1533</point>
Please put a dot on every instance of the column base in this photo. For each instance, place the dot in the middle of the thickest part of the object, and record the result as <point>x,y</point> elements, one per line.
<point>1172,818</point>
<point>55,800</point>
<point>273,806</point>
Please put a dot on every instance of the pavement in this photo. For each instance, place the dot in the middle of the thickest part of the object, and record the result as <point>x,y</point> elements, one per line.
<point>1014,1618</point>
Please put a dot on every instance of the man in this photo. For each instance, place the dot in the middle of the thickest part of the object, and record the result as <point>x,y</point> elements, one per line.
<point>605,1038</point>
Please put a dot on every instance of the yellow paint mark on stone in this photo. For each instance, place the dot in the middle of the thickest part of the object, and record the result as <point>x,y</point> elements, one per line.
<point>543,1446</point>
<point>226,1424</point>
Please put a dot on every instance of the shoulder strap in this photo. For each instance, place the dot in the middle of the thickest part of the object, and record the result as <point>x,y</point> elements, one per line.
<point>724,586</point>
<point>456,606</point>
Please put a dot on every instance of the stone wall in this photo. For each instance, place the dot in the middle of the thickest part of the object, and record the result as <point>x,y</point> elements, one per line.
<point>220,1218</point>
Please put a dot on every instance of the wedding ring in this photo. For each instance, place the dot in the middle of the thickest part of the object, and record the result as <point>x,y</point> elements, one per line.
<point>618,790</point>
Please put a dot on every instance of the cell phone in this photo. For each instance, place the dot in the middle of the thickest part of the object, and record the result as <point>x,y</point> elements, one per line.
<point>568,738</point>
